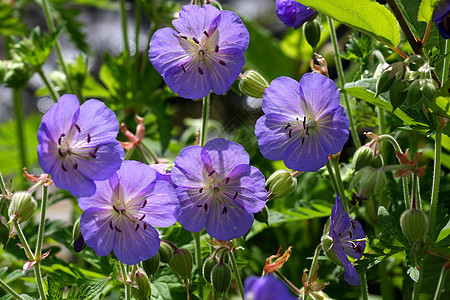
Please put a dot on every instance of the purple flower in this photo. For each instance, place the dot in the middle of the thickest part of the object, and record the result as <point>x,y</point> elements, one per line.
<point>348,239</point>
<point>77,144</point>
<point>266,288</point>
<point>441,17</point>
<point>163,172</point>
<point>207,52</point>
<point>120,215</point>
<point>303,123</point>
<point>218,189</point>
<point>293,13</point>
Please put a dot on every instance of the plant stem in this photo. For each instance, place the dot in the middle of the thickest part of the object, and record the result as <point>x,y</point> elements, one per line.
<point>18,112</point>
<point>40,284</point>
<point>385,282</point>
<point>128,154</point>
<point>332,177</point>
<point>49,85</point>
<point>205,117</point>
<point>340,70</point>
<point>291,286</point>
<point>417,286</point>
<point>2,185</point>
<point>24,241</point>
<point>441,282</point>
<point>236,273</point>
<point>123,269</point>
<point>314,266</point>
<point>436,175</point>
<point>364,291</point>
<point>198,257</point>
<point>150,152</point>
<point>123,17</point>
<point>40,240</point>
<point>446,63</point>
<point>8,289</point>
<point>339,183</point>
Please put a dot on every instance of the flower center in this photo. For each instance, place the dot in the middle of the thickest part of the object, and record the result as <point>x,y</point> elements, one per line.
<point>217,194</point>
<point>122,215</point>
<point>304,127</point>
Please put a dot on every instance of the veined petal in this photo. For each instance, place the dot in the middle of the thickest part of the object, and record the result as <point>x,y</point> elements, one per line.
<point>97,234</point>
<point>283,97</point>
<point>233,33</point>
<point>333,130</point>
<point>340,221</point>
<point>350,274</point>
<point>188,169</point>
<point>72,180</point>
<point>101,199</point>
<point>135,178</point>
<point>193,215</point>
<point>194,20</point>
<point>162,206</point>
<point>224,68</point>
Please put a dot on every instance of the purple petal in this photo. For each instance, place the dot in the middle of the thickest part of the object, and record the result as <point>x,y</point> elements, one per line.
<point>340,221</point>
<point>293,14</point>
<point>162,206</point>
<point>101,199</point>
<point>440,17</point>
<point>193,216</point>
<point>188,170</point>
<point>266,288</point>
<point>194,20</point>
<point>224,70</point>
<point>233,33</point>
<point>99,121</point>
<point>333,130</point>
<point>350,274</point>
<point>162,173</point>
<point>136,179</point>
<point>350,246</point>
<point>94,224</point>
<point>282,97</point>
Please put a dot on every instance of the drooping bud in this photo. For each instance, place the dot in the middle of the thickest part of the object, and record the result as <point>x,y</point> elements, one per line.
<point>397,93</point>
<point>368,182</point>
<point>4,230</point>
<point>281,184</point>
<point>208,265</point>
<point>263,215</point>
<point>151,265</point>
<point>414,223</point>
<point>22,206</point>
<point>312,31</point>
<point>77,237</point>
<point>363,157</point>
<point>377,162</point>
<point>182,263</point>
<point>384,82</point>
<point>141,289</point>
<point>429,89</point>
<point>414,93</point>
<point>221,277</point>
<point>253,84</point>
<point>165,252</point>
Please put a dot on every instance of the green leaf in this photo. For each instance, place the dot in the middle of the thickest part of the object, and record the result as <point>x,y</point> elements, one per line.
<point>426,10</point>
<point>9,24</point>
<point>94,290</point>
<point>53,291</point>
<point>442,218</point>
<point>392,225</point>
<point>364,15</point>
<point>413,273</point>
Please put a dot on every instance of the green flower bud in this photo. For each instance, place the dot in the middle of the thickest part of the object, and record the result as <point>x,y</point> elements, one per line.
<point>312,31</point>
<point>141,289</point>
<point>429,89</point>
<point>165,252</point>
<point>397,93</point>
<point>22,206</point>
<point>363,157</point>
<point>151,265</point>
<point>414,223</point>
<point>4,230</point>
<point>414,93</point>
<point>208,265</point>
<point>77,238</point>
<point>368,182</point>
<point>221,277</point>
<point>281,184</point>
<point>384,82</point>
<point>327,244</point>
<point>253,84</point>
<point>377,162</point>
<point>182,263</point>
<point>263,215</point>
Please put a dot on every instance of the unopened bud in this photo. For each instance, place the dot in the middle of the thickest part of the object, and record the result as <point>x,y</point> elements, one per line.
<point>151,265</point>
<point>77,237</point>
<point>384,82</point>
<point>165,252</point>
<point>22,206</point>
<point>221,277</point>
<point>263,215</point>
<point>141,289</point>
<point>208,265</point>
<point>429,89</point>
<point>363,157</point>
<point>327,245</point>
<point>182,263</point>
<point>281,184</point>
<point>4,230</point>
<point>377,162</point>
<point>368,182</point>
<point>414,93</point>
<point>253,84</point>
<point>414,223</point>
<point>312,31</point>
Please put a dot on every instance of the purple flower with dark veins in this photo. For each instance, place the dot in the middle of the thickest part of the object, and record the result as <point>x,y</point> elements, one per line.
<point>303,122</point>
<point>77,144</point>
<point>345,237</point>
<point>218,189</point>
<point>207,52</point>
<point>120,215</point>
<point>293,13</point>
<point>266,288</point>
<point>441,17</point>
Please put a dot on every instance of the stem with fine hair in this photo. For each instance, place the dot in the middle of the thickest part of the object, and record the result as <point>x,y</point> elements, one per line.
<point>48,83</point>
<point>417,286</point>
<point>205,117</point>
<point>446,63</point>
<point>332,178</point>
<point>236,273</point>
<point>123,17</point>
<point>441,282</point>
<point>363,286</point>
<point>40,240</point>
<point>198,257</point>
<point>8,289</point>
<point>314,265</point>
<point>124,271</point>
<point>18,112</point>
<point>436,175</point>
<point>337,183</point>
<point>340,184</point>
<point>340,70</point>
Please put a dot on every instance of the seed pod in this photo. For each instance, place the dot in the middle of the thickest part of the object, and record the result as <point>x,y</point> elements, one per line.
<point>414,223</point>
<point>77,237</point>
<point>22,206</point>
<point>312,31</point>
<point>363,157</point>
<point>281,184</point>
<point>208,265</point>
<point>221,277</point>
<point>141,290</point>
<point>397,93</point>
<point>151,265</point>
<point>182,263</point>
<point>253,84</point>
<point>165,252</point>
<point>263,215</point>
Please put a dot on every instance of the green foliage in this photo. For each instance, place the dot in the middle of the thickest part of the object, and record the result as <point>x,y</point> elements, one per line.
<point>10,24</point>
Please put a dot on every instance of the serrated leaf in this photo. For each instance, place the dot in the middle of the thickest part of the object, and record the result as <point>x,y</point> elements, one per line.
<point>53,291</point>
<point>94,290</point>
<point>392,225</point>
<point>426,9</point>
<point>441,106</point>
<point>364,15</point>
<point>441,219</point>
<point>13,276</point>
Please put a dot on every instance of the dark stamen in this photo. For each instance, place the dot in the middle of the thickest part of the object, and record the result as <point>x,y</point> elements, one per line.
<point>287,126</point>
<point>227,180</point>
<point>224,210</point>
<point>96,148</point>
<point>110,225</point>
<point>78,128</point>
<point>222,63</point>
<point>307,129</point>
<point>353,224</point>
<point>116,209</point>
<point>235,195</point>
<point>137,227</point>
<point>303,140</point>
<point>205,33</point>
<point>210,173</point>
<point>142,218</point>
<point>184,70</point>
<point>200,71</point>
<point>60,137</point>
<point>75,166</point>
<point>205,207</point>
<point>290,133</point>
<point>217,48</point>
<point>64,168</point>
<point>195,40</point>
<point>357,248</point>
<point>88,138</point>
<point>183,37</point>
<point>199,205</point>
<point>350,234</point>
<point>145,226</point>
<point>304,121</point>
<point>60,153</point>
<point>92,155</point>
<point>144,203</point>
<point>200,190</point>
<point>117,229</point>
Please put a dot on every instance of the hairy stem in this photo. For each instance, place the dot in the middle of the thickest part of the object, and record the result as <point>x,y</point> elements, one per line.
<point>339,183</point>
<point>436,175</point>
<point>236,274</point>
<point>50,87</point>
<point>446,63</point>
<point>124,271</point>
<point>332,177</point>
<point>40,240</point>
<point>198,257</point>
<point>205,117</point>
<point>441,282</point>
<point>363,286</point>
<point>123,17</point>
<point>8,289</point>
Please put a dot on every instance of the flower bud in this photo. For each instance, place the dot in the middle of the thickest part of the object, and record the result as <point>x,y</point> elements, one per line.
<point>22,206</point>
<point>429,89</point>
<point>384,82</point>
<point>263,215</point>
<point>208,265</point>
<point>4,230</point>
<point>377,162</point>
<point>281,184</point>
<point>397,93</point>
<point>363,157</point>
<point>151,265</point>
<point>221,277</point>
<point>253,84</point>
<point>165,252</point>
<point>141,289</point>
<point>327,245</point>
<point>368,182</point>
<point>414,93</point>
<point>182,263</point>
<point>77,237</point>
<point>312,31</point>
<point>414,223</point>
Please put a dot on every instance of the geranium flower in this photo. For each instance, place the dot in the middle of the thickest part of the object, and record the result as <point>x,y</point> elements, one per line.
<point>303,123</point>
<point>120,215</point>
<point>218,189</point>
<point>293,13</point>
<point>441,17</point>
<point>266,288</point>
<point>207,52</point>
<point>347,237</point>
<point>77,144</point>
